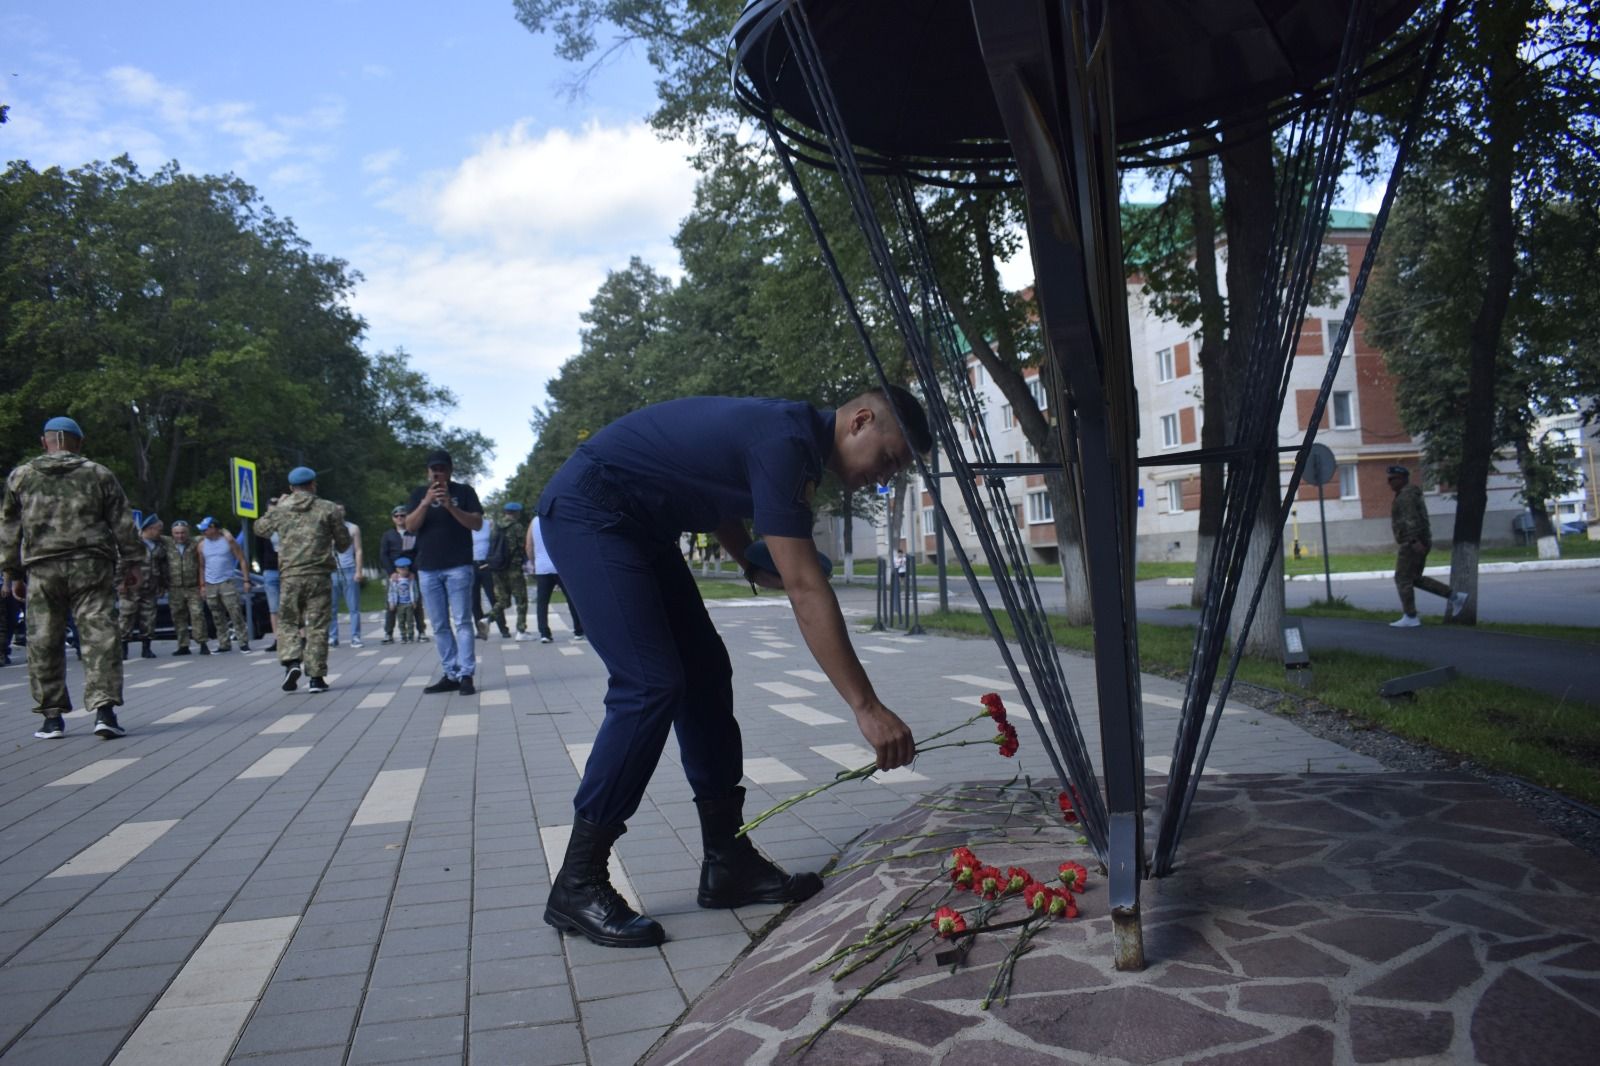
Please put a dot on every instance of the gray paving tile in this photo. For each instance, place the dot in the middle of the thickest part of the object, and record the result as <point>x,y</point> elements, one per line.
<point>431,1000</point>
<point>323,962</point>
<point>297,1032</point>
<point>402,1041</point>
<point>521,1007</point>
<point>508,975</point>
<point>325,1056</point>
<point>393,971</point>
<point>545,1045</point>
<point>622,1049</point>
<point>630,1013</point>
<point>312,993</point>
<point>622,977</point>
<point>56,1050</point>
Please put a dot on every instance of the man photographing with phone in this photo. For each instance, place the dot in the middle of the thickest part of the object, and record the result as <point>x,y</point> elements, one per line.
<point>444,514</point>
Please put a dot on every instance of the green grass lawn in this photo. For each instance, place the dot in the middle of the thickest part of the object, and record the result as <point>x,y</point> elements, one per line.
<point>1340,608</point>
<point>1501,726</point>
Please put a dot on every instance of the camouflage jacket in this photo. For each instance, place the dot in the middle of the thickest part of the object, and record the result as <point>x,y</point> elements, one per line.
<point>64,506</point>
<point>516,533</point>
<point>1409,516</point>
<point>155,575</point>
<point>309,529</point>
<point>183,568</point>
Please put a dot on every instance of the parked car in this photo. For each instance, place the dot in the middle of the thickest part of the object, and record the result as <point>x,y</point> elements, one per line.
<point>260,618</point>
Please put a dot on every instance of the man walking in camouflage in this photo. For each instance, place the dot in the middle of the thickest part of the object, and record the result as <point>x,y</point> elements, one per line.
<point>309,531</point>
<point>65,522</point>
<point>511,583</point>
<point>183,588</point>
<point>1409,518</point>
<point>138,607</point>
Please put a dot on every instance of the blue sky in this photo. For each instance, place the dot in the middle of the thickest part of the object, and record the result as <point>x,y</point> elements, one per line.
<point>434,147</point>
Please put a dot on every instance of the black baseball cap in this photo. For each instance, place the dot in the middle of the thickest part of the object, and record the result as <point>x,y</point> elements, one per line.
<point>439,457</point>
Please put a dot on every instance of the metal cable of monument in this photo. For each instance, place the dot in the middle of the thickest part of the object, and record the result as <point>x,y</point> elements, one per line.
<point>1170,831</point>
<point>968,83</point>
<point>1003,547</point>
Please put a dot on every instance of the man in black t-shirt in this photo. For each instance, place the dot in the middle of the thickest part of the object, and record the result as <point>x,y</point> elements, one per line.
<point>443,514</point>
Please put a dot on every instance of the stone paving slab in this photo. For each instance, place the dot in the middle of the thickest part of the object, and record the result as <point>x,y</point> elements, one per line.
<point>1314,919</point>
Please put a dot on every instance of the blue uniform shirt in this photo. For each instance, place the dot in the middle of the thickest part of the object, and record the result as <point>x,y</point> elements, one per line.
<point>695,463</point>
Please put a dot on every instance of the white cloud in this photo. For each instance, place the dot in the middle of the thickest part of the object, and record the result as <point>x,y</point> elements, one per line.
<point>600,187</point>
<point>381,162</point>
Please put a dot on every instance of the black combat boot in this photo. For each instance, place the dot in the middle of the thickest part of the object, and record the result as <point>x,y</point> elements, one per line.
<point>147,653</point>
<point>127,647</point>
<point>583,901</point>
<point>734,873</point>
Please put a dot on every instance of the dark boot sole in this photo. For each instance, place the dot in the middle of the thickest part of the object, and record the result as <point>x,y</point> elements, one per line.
<point>569,925</point>
<point>799,894</point>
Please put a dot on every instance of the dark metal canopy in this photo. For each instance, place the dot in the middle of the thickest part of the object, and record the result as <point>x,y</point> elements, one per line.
<point>910,82</point>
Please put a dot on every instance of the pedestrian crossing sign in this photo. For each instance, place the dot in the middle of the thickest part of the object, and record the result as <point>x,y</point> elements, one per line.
<point>245,501</point>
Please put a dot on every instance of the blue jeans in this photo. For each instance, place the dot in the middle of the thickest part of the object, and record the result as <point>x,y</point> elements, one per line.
<point>271,581</point>
<point>346,586</point>
<point>447,599</point>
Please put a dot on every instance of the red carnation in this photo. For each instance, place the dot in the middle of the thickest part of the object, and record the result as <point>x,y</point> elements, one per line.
<point>993,707</point>
<point>963,876</point>
<point>1074,876</point>
<point>963,856</point>
<point>1017,878</point>
<point>1007,739</point>
<point>1036,897</point>
<point>948,922</point>
<point>1062,904</point>
<point>1067,811</point>
<point>988,883</point>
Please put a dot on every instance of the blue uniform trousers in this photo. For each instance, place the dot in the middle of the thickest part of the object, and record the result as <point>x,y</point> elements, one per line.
<point>669,669</point>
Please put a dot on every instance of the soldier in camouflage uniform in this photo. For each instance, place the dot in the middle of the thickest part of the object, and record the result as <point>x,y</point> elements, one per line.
<point>511,583</point>
<point>1408,517</point>
<point>309,531</point>
<point>138,607</point>
<point>183,588</point>
<point>65,522</point>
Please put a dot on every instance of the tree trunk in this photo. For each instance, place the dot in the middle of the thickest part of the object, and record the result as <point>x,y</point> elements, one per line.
<point>1213,391</point>
<point>1247,213</point>
<point>1502,25</point>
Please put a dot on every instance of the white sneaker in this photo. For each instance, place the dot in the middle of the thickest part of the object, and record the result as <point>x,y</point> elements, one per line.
<point>579,638</point>
<point>1458,601</point>
<point>545,640</point>
<point>523,635</point>
<point>356,642</point>
<point>1406,621</point>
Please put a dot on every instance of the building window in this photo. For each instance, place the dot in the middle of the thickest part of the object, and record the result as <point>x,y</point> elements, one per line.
<point>1039,508</point>
<point>1344,413</point>
<point>1166,369</point>
<point>1007,419</point>
<point>930,521</point>
<point>1331,327</point>
<point>1174,496</point>
<point>1041,395</point>
<point>1347,482</point>
<point>1169,431</point>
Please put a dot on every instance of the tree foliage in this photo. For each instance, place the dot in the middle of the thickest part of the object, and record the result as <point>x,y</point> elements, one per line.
<point>181,323</point>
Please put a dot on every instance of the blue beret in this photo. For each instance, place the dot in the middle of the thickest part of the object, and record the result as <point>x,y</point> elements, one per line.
<point>180,522</point>
<point>64,424</point>
<point>206,523</point>
<point>1402,471</point>
<point>403,561</point>
<point>150,520</point>
<point>302,475</point>
<point>513,506</point>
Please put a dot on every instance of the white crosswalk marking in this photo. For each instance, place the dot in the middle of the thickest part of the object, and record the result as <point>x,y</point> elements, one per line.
<point>392,797</point>
<point>391,660</point>
<point>174,666</point>
<point>287,724</point>
<point>95,771</point>
<point>115,850</point>
<point>568,650</point>
<point>1158,763</point>
<point>816,676</point>
<point>458,725</point>
<point>777,643</point>
<point>767,771</point>
<point>210,682</point>
<point>364,654</point>
<point>765,654</point>
<point>879,649</point>
<point>518,670</point>
<point>495,697</point>
<point>183,714</point>
<point>902,640</point>
<point>154,681</point>
<point>579,754</point>
<point>373,701</point>
<point>854,756</point>
<point>982,682</point>
<point>806,715</point>
<point>785,690</point>
<point>415,681</point>
<point>274,763</point>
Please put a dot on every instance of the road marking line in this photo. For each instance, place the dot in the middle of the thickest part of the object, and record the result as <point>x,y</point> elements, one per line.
<point>806,715</point>
<point>415,681</point>
<point>274,763</point>
<point>816,676</point>
<point>93,772</point>
<point>981,682</point>
<point>154,681</point>
<point>201,1014</point>
<point>212,682</point>
<point>553,838</point>
<point>495,697</point>
<point>458,725</point>
<point>571,651</point>
<point>769,771</point>
<point>364,654</point>
<point>183,714</point>
<point>854,756</point>
<point>373,701</point>
<point>879,649</point>
<point>174,666</point>
<point>392,660</point>
<point>114,850</point>
<point>765,654</point>
<point>785,690</point>
<point>902,640</point>
<point>518,670</point>
<point>777,643</point>
<point>392,797</point>
<point>268,661</point>
<point>579,754</point>
<point>287,724</point>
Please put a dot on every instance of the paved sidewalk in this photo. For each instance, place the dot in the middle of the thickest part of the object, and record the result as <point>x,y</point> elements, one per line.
<point>256,877</point>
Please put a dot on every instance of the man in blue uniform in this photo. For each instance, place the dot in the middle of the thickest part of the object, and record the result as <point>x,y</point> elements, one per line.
<point>611,518</point>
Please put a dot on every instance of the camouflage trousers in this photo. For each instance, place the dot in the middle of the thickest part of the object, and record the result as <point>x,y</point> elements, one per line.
<point>223,600</point>
<point>138,611</point>
<point>511,585</point>
<point>84,588</point>
<point>187,619</point>
<point>407,615</point>
<point>1408,564</point>
<point>305,610</point>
